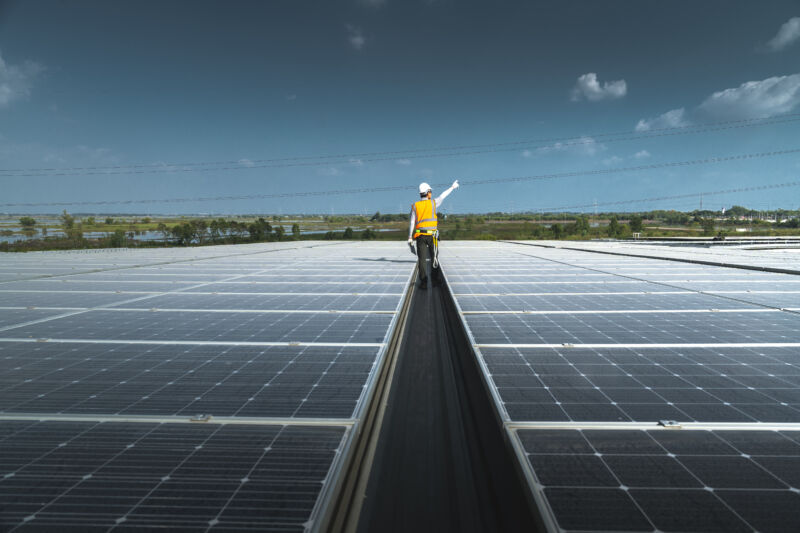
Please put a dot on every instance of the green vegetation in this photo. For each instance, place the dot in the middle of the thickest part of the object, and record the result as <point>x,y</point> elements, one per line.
<point>27,222</point>
<point>79,231</point>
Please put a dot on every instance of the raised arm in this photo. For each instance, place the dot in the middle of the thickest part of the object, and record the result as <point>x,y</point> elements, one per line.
<point>445,194</point>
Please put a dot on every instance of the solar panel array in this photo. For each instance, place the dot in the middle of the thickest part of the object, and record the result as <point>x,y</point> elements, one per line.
<point>201,389</point>
<point>640,394</point>
<point>754,253</point>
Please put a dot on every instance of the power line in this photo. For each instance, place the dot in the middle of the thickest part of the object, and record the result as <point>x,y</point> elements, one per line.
<point>344,159</point>
<point>595,172</point>
<point>694,195</point>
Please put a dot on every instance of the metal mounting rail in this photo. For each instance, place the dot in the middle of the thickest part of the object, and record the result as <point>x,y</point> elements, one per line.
<point>196,419</point>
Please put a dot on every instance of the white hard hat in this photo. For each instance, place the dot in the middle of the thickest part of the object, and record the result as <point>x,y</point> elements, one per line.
<point>424,188</point>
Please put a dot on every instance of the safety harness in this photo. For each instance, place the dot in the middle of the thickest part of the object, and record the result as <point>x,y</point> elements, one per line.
<point>428,226</point>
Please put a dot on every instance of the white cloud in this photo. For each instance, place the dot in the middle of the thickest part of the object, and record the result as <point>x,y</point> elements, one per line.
<point>789,33</point>
<point>527,153</point>
<point>755,99</point>
<point>675,118</point>
<point>588,87</point>
<point>356,37</point>
<point>356,162</point>
<point>404,162</point>
<point>246,163</point>
<point>582,146</point>
<point>16,80</point>
<point>641,154</point>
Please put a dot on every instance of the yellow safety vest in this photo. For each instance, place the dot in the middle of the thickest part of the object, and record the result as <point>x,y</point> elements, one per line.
<point>426,217</point>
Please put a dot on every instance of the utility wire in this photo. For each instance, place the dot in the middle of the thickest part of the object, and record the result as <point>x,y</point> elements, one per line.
<point>673,197</point>
<point>344,159</point>
<point>595,172</point>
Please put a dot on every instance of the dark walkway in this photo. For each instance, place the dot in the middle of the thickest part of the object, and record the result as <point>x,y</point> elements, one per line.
<point>442,463</point>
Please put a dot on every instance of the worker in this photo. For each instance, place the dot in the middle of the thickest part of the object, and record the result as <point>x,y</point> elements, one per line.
<point>422,230</point>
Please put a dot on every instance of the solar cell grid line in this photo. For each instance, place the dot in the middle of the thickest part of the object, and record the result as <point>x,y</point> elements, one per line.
<point>720,480</point>
<point>58,299</point>
<point>765,278</point>
<point>636,328</point>
<point>69,314</point>
<point>663,301</point>
<point>334,373</point>
<point>213,326</point>
<point>754,381</point>
<point>156,379</point>
<point>647,385</point>
<point>193,257</point>
<point>128,475</point>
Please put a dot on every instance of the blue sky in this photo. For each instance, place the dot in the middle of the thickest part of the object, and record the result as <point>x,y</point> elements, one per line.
<point>101,84</point>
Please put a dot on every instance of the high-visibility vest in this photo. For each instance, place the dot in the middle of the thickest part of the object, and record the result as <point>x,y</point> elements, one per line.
<point>426,217</point>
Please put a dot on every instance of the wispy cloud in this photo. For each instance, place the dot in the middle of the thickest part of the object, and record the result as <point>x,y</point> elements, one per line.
<point>589,88</point>
<point>753,99</point>
<point>527,153</point>
<point>355,36</point>
<point>616,160</point>
<point>787,34</point>
<point>16,81</point>
<point>765,98</point>
<point>404,162</point>
<point>613,160</point>
<point>586,146</point>
<point>246,163</point>
<point>329,171</point>
<point>675,118</point>
<point>356,162</point>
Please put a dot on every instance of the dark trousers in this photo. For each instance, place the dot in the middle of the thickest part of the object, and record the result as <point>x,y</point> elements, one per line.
<point>425,255</point>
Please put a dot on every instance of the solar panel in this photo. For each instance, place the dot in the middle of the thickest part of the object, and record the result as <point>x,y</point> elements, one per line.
<point>94,475</point>
<point>647,384</point>
<point>95,405</point>
<point>277,302</point>
<point>10,317</point>
<point>586,371</point>
<point>599,302</point>
<point>636,328</point>
<point>223,326</point>
<point>60,299</point>
<point>667,480</point>
<point>154,379</point>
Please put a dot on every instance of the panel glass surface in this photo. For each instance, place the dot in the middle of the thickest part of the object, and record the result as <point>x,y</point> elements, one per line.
<point>341,302</point>
<point>212,326</point>
<point>648,384</point>
<point>97,476</point>
<point>273,381</point>
<point>668,480</point>
<point>635,328</point>
<point>599,302</point>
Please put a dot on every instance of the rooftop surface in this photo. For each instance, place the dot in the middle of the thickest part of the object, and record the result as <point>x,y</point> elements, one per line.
<point>222,388</point>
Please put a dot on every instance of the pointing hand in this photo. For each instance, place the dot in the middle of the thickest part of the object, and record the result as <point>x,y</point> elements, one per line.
<point>455,184</point>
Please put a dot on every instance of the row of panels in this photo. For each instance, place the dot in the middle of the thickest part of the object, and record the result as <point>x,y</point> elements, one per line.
<point>584,370</point>
<point>98,386</point>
